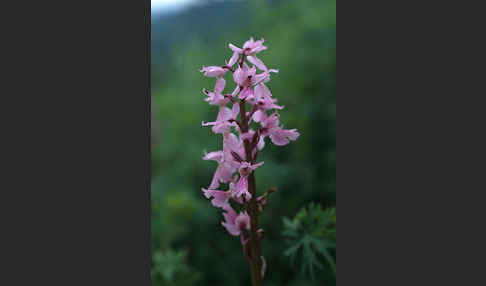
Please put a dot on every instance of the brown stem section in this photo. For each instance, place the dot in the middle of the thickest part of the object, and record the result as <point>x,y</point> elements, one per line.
<point>254,242</point>
<point>242,60</point>
<point>251,207</point>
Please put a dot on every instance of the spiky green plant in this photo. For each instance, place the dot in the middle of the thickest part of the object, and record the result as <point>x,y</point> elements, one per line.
<point>311,235</point>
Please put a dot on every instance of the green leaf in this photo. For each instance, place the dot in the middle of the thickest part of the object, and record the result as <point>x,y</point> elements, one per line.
<point>312,234</point>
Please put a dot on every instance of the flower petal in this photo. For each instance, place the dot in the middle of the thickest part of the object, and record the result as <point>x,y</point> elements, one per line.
<point>257,62</point>
<point>242,221</point>
<point>220,198</point>
<point>233,59</point>
<point>235,48</point>
<point>215,155</point>
<point>219,86</point>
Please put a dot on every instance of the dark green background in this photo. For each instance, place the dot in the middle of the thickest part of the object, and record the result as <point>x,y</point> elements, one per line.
<point>189,245</point>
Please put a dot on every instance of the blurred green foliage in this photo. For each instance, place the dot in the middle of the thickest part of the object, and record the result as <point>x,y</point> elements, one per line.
<point>170,268</point>
<point>301,40</point>
<point>312,233</point>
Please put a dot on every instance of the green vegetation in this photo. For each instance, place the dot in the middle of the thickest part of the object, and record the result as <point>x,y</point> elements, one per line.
<point>312,233</point>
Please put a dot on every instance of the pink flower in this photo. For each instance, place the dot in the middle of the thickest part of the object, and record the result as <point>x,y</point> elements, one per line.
<point>234,223</point>
<point>263,98</point>
<point>246,77</point>
<point>263,77</point>
<point>241,149</point>
<point>246,168</point>
<point>232,189</point>
<point>235,48</point>
<point>246,93</point>
<point>281,137</point>
<point>231,143</point>
<point>215,156</point>
<point>216,97</point>
<point>222,174</point>
<point>223,121</point>
<point>270,128</point>
<point>220,198</point>
<point>249,136</point>
<point>224,171</point>
<point>241,188</point>
<point>254,47</point>
<point>243,75</point>
<point>214,71</point>
<point>259,116</point>
<point>250,47</point>
<point>261,143</point>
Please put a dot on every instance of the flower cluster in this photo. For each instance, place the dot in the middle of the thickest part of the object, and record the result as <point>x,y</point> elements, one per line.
<point>241,144</point>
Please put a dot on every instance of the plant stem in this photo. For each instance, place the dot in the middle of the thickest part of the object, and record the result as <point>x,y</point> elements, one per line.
<point>254,242</point>
<point>252,207</point>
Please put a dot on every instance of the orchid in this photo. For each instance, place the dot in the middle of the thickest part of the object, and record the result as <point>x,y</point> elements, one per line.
<point>234,223</point>
<point>216,97</point>
<point>250,47</point>
<point>213,71</point>
<point>237,161</point>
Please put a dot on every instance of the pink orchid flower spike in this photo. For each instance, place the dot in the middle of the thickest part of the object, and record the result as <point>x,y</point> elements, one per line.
<point>243,122</point>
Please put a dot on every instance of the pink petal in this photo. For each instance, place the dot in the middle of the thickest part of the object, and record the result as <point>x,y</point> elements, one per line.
<point>257,49</point>
<point>260,42</point>
<point>246,92</point>
<point>259,116</point>
<point>208,123</point>
<point>248,44</point>
<point>242,221</point>
<point>253,167</point>
<point>220,198</point>
<point>215,181</point>
<point>292,134</point>
<point>251,71</point>
<point>224,114</point>
<point>274,106</point>
<point>242,188</point>
<point>216,156</point>
<point>279,140</point>
<point>281,137</point>
<point>233,59</point>
<point>261,143</point>
<point>257,62</point>
<point>225,173</point>
<point>235,110</point>
<point>213,71</point>
<point>221,127</point>
<point>261,77</point>
<point>230,214</point>
<point>235,48</point>
<point>231,142</point>
<point>235,92</point>
<point>219,86</point>
<point>263,91</point>
<point>239,76</point>
<point>231,228</point>
<point>271,121</point>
